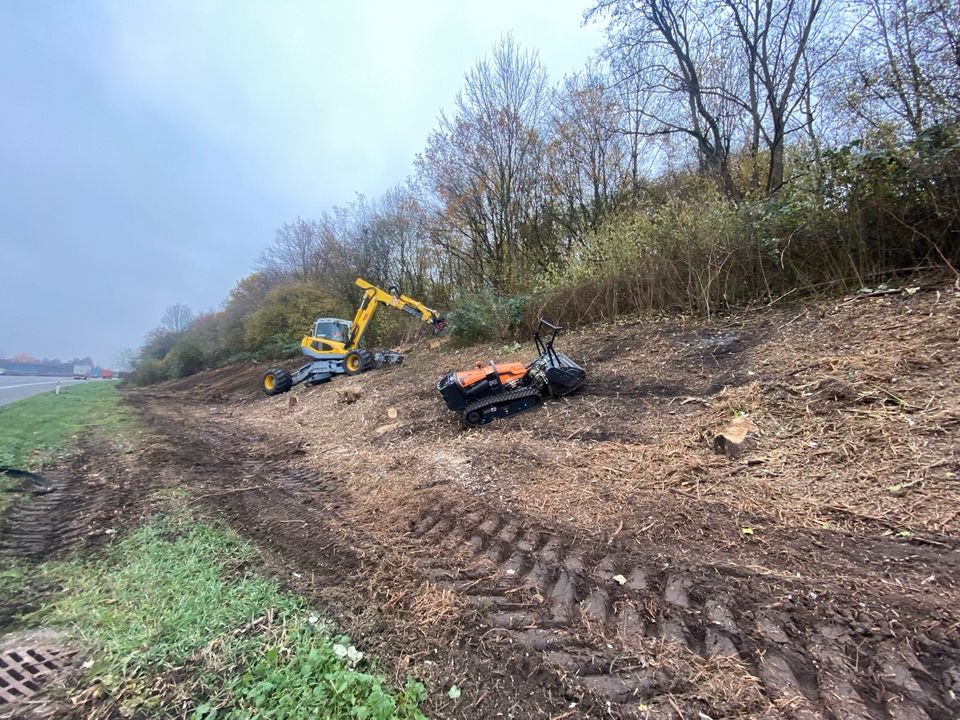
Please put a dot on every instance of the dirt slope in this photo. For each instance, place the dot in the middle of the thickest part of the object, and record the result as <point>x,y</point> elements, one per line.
<point>596,557</point>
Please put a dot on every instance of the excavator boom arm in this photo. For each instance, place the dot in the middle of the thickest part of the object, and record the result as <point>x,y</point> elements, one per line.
<point>373,297</point>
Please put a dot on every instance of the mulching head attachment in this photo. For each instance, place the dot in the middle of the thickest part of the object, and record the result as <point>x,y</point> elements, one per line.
<point>559,374</point>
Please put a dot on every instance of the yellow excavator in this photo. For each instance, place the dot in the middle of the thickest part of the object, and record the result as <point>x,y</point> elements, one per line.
<point>334,345</point>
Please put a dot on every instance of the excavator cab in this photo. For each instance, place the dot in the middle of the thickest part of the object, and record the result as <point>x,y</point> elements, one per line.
<point>330,336</point>
<point>332,329</point>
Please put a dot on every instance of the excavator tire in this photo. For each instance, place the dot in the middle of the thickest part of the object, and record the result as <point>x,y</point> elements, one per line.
<point>276,381</point>
<point>369,361</point>
<point>353,363</point>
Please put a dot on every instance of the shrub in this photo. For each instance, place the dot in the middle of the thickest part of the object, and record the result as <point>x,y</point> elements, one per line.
<point>676,254</point>
<point>482,316</point>
<point>185,358</point>
<point>150,371</point>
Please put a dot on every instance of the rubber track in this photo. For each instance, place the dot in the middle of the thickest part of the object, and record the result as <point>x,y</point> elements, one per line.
<point>504,398</point>
<point>558,598</point>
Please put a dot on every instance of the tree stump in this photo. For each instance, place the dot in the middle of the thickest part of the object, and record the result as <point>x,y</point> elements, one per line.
<point>738,436</point>
<point>350,395</point>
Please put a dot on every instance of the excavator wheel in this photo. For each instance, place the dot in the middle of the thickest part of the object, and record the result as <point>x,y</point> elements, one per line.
<point>369,361</point>
<point>276,381</point>
<point>353,363</point>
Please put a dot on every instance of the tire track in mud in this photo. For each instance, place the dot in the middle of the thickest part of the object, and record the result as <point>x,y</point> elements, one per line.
<point>556,595</point>
<point>37,526</point>
<point>551,595</point>
<point>40,525</point>
<point>293,513</point>
<point>66,509</point>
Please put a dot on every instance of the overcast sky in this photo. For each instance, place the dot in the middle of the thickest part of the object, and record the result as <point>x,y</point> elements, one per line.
<point>149,149</point>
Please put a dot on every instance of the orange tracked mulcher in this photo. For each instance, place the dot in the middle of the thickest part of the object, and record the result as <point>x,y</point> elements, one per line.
<point>503,389</point>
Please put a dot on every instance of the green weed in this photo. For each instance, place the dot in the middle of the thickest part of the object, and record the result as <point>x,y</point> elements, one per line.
<point>483,316</point>
<point>14,580</point>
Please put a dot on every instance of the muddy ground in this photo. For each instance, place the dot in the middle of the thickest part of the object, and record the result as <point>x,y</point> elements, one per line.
<point>596,557</point>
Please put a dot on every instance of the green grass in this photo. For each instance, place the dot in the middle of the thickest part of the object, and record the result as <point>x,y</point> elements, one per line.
<point>36,429</point>
<point>42,425</point>
<point>171,618</point>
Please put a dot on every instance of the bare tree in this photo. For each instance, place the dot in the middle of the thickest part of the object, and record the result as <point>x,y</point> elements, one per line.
<point>906,63</point>
<point>176,319</point>
<point>296,251</point>
<point>637,104</point>
<point>732,75</point>
<point>588,157</point>
<point>398,223</point>
<point>773,38</point>
<point>125,360</point>
<point>484,164</point>
<point>675,52</point>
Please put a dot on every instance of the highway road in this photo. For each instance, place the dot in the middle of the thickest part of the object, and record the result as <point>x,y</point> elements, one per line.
<point>18,387</point>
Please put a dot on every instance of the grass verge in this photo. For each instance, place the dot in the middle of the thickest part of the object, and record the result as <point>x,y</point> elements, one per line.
<point>37,428</point>
<point>175,624</point>
<point>41,425</point>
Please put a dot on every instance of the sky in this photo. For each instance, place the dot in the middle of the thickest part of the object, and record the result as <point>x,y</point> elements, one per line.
<point>150,149</point>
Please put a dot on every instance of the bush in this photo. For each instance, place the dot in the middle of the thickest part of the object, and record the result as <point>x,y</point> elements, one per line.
<point>278,350</point>
<point>184,359</point>
<point>150,371</point>
<point>676,254</point>
<point>158,343</point>
<point>240,357</point>
<point>846,217</point>
<point>482,316</point>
